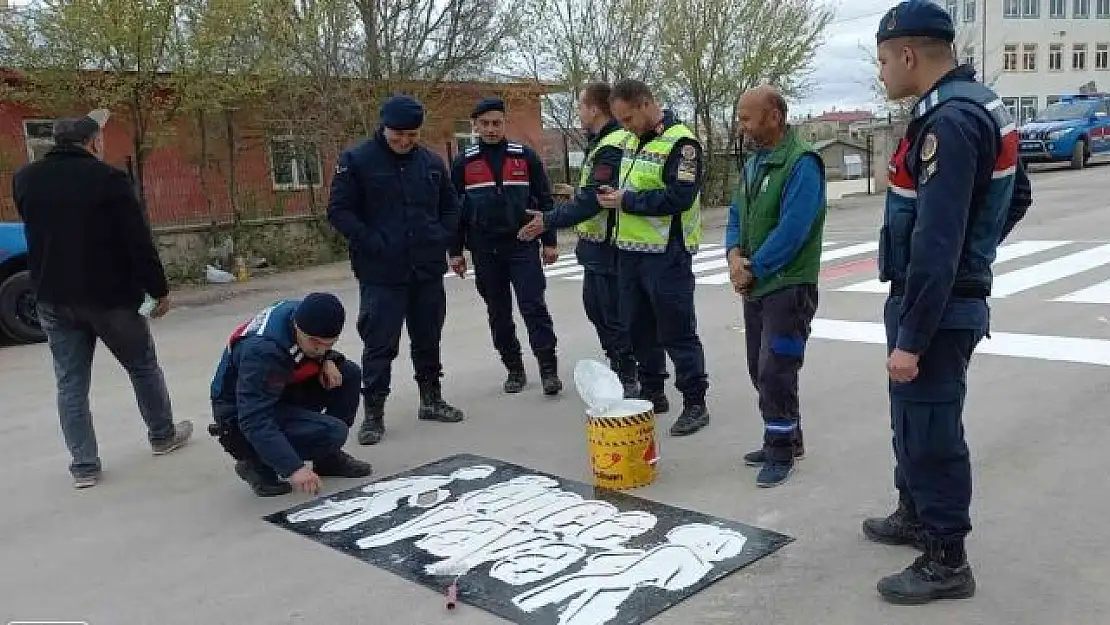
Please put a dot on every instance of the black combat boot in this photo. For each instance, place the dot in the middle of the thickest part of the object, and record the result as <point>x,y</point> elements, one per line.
<point>942,572</point>
<point>549,371</point>
<point>658,398</point>
<point>432,406</point>
<point>695,416</point>
<point>902,527</point>
<point>341,464</point>
<point>261,478</point>
<point>625,368</point>
<point>517,378</point>
<point>373,424</point>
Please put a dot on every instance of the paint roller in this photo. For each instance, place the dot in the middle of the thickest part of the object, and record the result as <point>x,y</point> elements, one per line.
<point>456,570</point>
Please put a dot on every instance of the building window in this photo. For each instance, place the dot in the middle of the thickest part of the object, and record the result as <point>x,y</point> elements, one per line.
<point>1057,8</point>
<point>39,136</point>
<point>464,136</point>
<point>1011,8</point>
<point>1079,56</point>
<point>969,55</point>
<point>969,10</point>
<point>1031,8</point>
<point>1055,57</point>
<point>1011,105</point>
<point>952,6</point>
<point>1009,57</point>
<point>294,163</point>
<point>1029,57</point>
<point>1028,109</point>
<point>1102,9</point>
<point>1081,8</point>
<point>1102,56</point>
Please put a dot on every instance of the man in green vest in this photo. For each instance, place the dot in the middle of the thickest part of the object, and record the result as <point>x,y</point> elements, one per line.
<point>594,227</point>
<point>773,239</point>
<point>658,231</point>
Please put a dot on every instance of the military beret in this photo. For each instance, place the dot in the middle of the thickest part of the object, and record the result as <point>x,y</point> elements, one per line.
<point>916,18</point>
<point>402,113</point>
<point>487,105</point>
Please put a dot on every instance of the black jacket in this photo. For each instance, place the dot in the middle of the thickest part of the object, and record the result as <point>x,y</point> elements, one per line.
<point>89,241</point>
<point>398,212</point>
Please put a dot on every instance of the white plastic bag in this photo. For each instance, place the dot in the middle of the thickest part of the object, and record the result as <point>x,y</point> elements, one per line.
<point>602,392</point>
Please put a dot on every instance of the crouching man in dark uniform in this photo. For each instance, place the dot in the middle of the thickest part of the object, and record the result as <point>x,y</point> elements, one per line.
<point>282,396</point>
<point>499,181</point>
<point>393,201</point>
<point>956,191</point>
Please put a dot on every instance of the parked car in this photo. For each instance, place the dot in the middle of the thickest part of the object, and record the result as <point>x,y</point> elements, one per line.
<point>1073,129</point>
<point>18,315</point>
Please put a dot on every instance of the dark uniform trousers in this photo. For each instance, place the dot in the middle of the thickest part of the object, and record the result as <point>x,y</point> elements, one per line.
<point>601,300</point>
<point>933,473</point>
<point>777,327</point>
<point>502,269</point>
<point>657,304</point>
<point>421,305</point>
<point>316,420</point>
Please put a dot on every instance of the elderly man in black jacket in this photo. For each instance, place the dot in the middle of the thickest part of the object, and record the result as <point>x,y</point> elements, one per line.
<point>93,262</point>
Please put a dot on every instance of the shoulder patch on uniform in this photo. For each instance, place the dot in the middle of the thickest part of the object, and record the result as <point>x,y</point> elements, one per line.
<point>928,147</point>
<point>689,152</point>
<point>340,168</point>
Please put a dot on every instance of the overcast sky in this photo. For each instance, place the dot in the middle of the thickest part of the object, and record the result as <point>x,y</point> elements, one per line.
<point>842,70</point>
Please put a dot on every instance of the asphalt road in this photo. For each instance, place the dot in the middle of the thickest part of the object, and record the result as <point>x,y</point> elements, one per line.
<point>179,539</point>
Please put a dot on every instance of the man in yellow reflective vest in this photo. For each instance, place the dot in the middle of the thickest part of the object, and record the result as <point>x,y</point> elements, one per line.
<point>594,226</point>
<point>658,231</point>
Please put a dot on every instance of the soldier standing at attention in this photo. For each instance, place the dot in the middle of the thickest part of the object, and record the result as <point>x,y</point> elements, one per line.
<point>956,191</point>
<point>500,181</point>
<point>773,239</point>
<point>392,199</point>
<point>658,204</point>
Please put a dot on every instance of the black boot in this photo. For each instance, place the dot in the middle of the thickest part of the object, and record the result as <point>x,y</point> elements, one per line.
<point>549,371</point>
<point>432,406</point>
<point>942,572</point>
<point>517,378</point>
<point>625,368</point>
<point>695,416</point>
<point>902,527</point>
<point>261,478</point>
<point>658,399</point>
<point>373,424</point>
<point>341,464</point>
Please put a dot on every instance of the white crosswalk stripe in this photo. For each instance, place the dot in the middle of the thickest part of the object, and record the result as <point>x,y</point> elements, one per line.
<point>1074,272</point>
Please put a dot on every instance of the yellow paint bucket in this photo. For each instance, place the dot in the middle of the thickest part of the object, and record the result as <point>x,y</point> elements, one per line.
<point>622,447</point>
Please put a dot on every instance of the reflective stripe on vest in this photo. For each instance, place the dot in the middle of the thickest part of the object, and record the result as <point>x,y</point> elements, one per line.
<point>595,228</point>
<point>642,170</point>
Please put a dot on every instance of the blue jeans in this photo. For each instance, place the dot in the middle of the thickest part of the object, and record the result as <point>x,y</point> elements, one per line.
<point>72,333</point>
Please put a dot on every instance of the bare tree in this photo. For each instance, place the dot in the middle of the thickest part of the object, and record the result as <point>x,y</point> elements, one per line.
<point>109,53</point>
<point>714,50</point>
<point>572,42</point>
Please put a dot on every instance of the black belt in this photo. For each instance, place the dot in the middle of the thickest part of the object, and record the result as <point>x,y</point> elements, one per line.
<point>898,289</point>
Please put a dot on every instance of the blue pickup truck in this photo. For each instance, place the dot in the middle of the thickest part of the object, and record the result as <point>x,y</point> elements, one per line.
<point>18,318</point>
<point>1073,129</point>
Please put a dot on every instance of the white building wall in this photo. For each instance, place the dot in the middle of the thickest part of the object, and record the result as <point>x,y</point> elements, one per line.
<point>1032,51</point>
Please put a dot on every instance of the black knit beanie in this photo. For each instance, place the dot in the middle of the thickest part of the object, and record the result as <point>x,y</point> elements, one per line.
<point>320,315</point>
